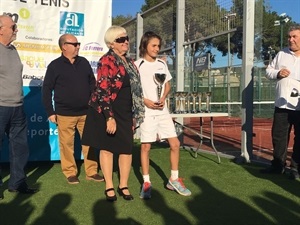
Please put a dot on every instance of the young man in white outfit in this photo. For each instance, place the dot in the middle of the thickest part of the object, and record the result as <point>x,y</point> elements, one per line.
<point>157,119</point>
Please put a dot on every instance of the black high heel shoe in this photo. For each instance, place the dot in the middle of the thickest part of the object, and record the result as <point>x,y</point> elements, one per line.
<point>121,193</point>
<point>110,198</point>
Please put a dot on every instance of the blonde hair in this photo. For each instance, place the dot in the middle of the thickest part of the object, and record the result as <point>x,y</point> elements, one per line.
<point>112,33</point>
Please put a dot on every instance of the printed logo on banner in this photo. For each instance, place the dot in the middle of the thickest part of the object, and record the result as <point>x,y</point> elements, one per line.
<point>34,61</point>
<point>72,23</point>
<point>201,63</point>
<point>93,49</point>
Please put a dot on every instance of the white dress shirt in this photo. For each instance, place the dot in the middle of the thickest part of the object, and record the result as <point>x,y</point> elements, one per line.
<point>285,86</point>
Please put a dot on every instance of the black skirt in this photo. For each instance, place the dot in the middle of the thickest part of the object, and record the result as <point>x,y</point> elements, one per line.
<point>94,133</point>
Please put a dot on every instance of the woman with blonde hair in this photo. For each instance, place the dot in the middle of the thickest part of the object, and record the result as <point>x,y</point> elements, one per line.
<point>115,105</point>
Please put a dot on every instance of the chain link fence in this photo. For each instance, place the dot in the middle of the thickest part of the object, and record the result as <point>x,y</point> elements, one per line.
<point>207,24</point>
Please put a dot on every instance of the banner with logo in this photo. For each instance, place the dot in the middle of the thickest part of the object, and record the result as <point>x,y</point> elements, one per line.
<point>201,63</point>
<point>40,23</point>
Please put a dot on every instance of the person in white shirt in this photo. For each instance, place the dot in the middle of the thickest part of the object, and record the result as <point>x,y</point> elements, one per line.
<point>285,69</point>
<point>157,121</point>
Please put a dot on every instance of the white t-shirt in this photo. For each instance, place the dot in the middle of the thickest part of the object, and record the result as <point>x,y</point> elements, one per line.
<point>147,70</point>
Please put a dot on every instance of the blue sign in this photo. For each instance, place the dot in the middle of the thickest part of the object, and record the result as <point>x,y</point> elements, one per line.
<point>72,23</point>
<point>42,135</point>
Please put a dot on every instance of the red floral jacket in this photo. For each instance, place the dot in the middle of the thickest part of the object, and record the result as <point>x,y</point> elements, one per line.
<point>110,75</point>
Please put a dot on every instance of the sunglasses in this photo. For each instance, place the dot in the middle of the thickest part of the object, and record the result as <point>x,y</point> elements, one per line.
<point>75,44</point>
<point>14,27</point>
<point>122,39</point>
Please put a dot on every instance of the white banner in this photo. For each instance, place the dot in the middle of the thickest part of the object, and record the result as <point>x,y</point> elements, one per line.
<point>40,24</point>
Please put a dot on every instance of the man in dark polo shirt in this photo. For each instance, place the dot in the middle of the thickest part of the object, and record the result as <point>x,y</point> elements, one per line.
<point>70,80</point>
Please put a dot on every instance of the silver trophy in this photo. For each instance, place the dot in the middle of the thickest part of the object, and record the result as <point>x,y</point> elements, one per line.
<point>159,79</point>
<point>194,97</point>
<point>189,102</point>
<point>184,102</point>
<point>181,102</point>
<point>208,98</point>
<point>199,102</point>
<point>177,102</point>
<point>168,103</point>
<point>182,107</point>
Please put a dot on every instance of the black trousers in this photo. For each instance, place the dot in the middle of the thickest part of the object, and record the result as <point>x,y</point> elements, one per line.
<point>283,121</point>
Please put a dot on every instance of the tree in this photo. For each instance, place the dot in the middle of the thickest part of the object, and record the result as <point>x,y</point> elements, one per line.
<point>272,34</point>
<point>149,4</point>
<point>120,19</point>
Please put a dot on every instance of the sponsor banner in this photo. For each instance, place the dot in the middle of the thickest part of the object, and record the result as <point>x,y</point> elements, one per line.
<point>201,63</point>
<point>40,24</point>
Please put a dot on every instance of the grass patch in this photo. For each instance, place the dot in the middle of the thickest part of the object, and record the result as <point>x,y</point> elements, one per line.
<point>224,194</point>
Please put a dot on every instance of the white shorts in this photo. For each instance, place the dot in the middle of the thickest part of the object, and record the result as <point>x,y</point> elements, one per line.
<point>161,125</point>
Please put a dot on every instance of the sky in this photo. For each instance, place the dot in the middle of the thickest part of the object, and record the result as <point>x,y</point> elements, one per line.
<point>126,7</point>
<point>132,7</point>
<point>290,7</point>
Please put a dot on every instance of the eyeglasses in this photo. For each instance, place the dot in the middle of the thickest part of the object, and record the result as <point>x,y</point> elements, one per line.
<point>122,39</point>
<point>75,44</point>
